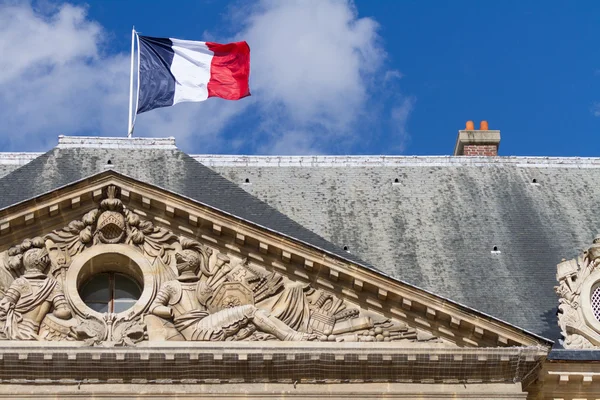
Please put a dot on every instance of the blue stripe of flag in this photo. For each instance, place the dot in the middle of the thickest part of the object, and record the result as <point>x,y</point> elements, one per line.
<point>156,82</point>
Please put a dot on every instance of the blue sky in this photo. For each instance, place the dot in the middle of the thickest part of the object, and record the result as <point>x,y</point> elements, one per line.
<point>328,76</point>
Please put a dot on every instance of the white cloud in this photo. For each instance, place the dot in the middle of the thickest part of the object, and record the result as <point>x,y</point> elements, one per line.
<point>53,78</point>
<point>399,119</point>
<point>595,110</point>
<point>311,57</point>
<point>292,142</point>
<point>392,74</point>
<point>58,39</point>
<point>315,72</point>
<point>312,63</point>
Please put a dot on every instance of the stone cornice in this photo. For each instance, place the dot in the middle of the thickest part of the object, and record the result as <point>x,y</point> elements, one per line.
<point>564,379</point>
<point>291,390</point>
<point>236,362</point>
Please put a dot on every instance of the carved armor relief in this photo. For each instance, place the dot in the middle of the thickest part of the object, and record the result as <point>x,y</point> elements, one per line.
<point>579,299</point>
<point>114,278</point>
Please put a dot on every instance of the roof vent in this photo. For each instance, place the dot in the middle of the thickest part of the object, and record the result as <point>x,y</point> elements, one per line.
<point>108,165</point>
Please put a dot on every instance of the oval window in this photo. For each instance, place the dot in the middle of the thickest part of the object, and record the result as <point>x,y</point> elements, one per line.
<point>110,292</point>
<point>596,301</point>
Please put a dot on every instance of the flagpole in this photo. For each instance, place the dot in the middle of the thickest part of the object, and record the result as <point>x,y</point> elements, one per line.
<point>130,125</point>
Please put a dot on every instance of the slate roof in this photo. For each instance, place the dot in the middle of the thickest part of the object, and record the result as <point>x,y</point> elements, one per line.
<point>11,161</point>
<point>573,355</point>
<point>437,227</point>
<point>166,168</point>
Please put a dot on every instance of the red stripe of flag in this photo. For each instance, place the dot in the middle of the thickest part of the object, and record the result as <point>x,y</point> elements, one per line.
<point>229,70</point>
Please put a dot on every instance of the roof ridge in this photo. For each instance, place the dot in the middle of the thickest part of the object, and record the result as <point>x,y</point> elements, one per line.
<point>385,161</point>
<point>66,142</point>
<point>223,160</point>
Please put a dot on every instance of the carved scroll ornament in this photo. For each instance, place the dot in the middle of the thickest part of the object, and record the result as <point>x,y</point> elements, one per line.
<point>190,291</point>
<point>579,299</point>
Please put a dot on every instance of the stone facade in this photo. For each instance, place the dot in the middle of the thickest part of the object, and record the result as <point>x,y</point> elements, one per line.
<point>201,302</point>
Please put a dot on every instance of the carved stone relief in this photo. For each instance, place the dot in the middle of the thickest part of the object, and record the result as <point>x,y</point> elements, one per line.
<point>579,299</point>
<point>30,297</point>
<point>189,291</point>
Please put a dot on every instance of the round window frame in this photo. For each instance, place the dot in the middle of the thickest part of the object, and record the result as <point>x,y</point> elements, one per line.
<point>585,299</point>
<point>109,258</point>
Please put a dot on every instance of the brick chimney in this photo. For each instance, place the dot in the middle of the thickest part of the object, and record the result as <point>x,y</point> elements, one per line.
<point>481,142</point>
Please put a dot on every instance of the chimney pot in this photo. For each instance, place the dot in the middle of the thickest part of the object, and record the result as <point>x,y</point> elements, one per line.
<point>470,126</point>
<point>483,126</point>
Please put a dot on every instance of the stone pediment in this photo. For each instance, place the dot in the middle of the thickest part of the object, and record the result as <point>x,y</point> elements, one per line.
<point>113,261</point>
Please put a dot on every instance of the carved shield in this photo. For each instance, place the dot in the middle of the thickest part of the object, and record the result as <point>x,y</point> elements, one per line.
<point>230,294</point>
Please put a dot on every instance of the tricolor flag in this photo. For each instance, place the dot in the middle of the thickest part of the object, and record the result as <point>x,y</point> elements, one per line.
<point>172,71</point>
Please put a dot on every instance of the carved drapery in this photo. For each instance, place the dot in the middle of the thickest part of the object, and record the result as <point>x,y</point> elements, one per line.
<point>190,291</point>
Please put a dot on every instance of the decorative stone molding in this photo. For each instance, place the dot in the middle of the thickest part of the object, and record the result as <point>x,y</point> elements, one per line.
<point>579,299</point>
<point>564,379</point>
<point>191,291</point>
<point>362,287</point>
<point>110,257</point>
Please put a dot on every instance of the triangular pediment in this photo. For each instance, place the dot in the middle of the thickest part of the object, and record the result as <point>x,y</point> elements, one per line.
<point>250,281</point>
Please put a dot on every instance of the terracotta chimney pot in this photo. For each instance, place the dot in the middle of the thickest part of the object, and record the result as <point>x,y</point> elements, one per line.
<point>483,126</point>
<point>470,126</point>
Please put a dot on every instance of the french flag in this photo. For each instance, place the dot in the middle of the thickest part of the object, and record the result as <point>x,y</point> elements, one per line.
<point>172,71</point>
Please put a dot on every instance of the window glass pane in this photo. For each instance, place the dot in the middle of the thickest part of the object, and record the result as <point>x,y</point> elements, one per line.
<point>97,292</point>
<point>126,288</point>
<point>96,289</point>
<point>122,305</point>
<point>100,307</point>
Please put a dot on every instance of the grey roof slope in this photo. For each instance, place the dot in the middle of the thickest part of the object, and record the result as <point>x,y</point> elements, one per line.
<point>11,161</point>
<point>167,168</point>
<point>437,227</point>
<point>5,169</point>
